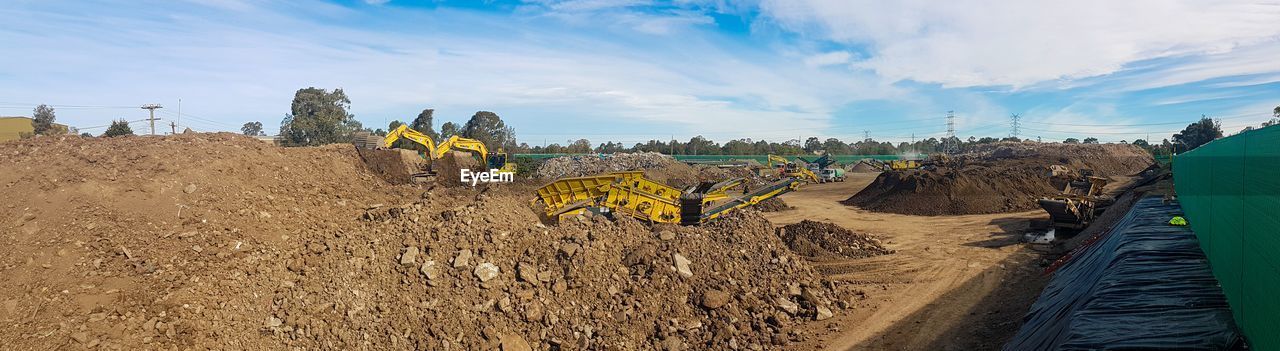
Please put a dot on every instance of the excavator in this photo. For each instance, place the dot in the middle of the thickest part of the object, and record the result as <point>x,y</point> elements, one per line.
<point>791,169</point>
<point>494,160</point>
<point>630,193</point>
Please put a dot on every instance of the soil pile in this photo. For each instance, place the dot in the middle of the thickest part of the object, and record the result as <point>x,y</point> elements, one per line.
<point>656,166</point>
<point>994,178</point>
<point>219,240</point>
<point>864,167</point>
<point>773,204</point>
<point>821,240</point>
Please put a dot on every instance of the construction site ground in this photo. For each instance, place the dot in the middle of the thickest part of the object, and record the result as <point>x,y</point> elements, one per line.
<point>957,282</point>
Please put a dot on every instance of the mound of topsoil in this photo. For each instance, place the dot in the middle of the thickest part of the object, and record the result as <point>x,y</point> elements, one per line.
<point>821,240</point>
<point>773,204</point>
<point>223,241</point>
<point>994,178</point>
<point>864,167</point>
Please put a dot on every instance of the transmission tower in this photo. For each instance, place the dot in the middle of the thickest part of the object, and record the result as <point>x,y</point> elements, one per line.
<point>152,108</point>
<point>950,144</point>
<point>1014,123</point>
<point>866,135</point>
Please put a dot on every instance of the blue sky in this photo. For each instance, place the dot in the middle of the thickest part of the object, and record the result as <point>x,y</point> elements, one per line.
<point>634,70</point>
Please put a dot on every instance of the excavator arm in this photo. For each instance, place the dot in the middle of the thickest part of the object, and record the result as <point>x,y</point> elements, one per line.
<point>408,133</point>
<point>456,142</point>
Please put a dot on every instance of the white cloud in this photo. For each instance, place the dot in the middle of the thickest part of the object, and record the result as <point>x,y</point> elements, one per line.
<point>1019,43</point>
<point>828,59</point>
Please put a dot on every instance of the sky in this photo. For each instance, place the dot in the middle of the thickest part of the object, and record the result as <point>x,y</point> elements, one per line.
<point>636,70</point>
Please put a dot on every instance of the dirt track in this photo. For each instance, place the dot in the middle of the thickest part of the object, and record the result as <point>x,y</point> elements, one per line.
<point>956,282</point>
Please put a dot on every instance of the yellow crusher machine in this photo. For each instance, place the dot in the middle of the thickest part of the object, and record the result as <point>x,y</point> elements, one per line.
<point>630,193</point>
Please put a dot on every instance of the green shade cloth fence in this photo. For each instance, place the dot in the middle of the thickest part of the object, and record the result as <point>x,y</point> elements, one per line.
<point>1230,191</point>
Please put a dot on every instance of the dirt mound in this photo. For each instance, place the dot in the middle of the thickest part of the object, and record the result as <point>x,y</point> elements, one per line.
<point>395,166</point>
<point>656,166</point>
<point>774,204</point>
<point>863,167</point>
<point>821,240</point>
<point>209,240</point>
<point>994,178</point>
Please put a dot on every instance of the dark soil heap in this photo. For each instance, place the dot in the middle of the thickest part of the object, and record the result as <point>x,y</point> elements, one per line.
<point>994,178</point>
<point>821,240</point>
<point>774,204</point>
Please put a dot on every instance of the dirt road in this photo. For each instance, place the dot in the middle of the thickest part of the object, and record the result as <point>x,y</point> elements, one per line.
<point>956,282</point>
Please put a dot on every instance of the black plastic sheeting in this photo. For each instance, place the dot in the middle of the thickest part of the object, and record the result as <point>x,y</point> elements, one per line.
<point>1146,285</point>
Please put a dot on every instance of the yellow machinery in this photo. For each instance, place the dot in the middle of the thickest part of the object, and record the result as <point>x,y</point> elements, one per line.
<point>630,193</point>
<point>791,169</point>
<point>902,165</point>
<point>436,151</point>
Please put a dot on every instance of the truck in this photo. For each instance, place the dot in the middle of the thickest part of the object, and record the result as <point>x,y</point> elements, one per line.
<point>831,175</point>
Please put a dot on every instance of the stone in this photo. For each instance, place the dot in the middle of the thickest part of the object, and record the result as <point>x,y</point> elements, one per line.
<point>514,342</point>
<point>713,299</point>
<point>527,272</point>
<point>190,188</point>
<point>823,313</point>
<point>431,271</point>
<point>569,249</point>
<point>486,271</point>
<point>80,336</point>
<point>410,256</point>
<point>463,259</point>
<point>682,265</point>
<point>788,306</point>
<point>666,235</point>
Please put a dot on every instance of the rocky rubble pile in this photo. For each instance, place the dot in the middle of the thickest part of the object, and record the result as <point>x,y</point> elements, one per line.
<point>656,166</point>
<point>821,240</point>
<point>485,274</point>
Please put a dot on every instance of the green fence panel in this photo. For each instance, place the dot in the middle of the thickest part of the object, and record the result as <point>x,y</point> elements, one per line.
<point>722,158</point>
<point>1230,191</point>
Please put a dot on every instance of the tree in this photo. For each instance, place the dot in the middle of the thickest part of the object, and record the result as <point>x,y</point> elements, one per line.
<point>488,128</point>
<point>393,125</point>
<point>581,146</point>
<point>42,120</point>
<point>252,129</point>
<point>448,129</point>
<point>1198,133</point>
<point>812,144</point>
<point>1071,141</point>
<point>318,117</point>
<point>118,128</point>
<point>86,135</point>
<point>422,123</point>
<point>1090,140</point>
<point>1141,143</point>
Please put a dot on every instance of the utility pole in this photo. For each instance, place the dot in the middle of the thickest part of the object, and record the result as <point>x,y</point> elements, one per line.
<point>152,109</point>
<point>173,127</point>
<point>1015,117</point>
<point>913,143</point>
<point>950,144</point>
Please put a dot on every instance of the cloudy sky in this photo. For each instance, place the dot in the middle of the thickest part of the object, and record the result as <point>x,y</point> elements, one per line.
<point>634,70</point>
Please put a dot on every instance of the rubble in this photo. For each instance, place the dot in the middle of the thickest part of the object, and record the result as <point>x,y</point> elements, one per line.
<point>821,240</point>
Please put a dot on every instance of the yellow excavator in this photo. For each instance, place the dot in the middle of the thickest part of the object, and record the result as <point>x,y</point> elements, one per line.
<point>495,160</point>
<point>791,169</point>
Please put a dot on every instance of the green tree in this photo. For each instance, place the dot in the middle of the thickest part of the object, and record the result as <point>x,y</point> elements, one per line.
<point>1090,140</point>
<point>423,123</point>
<point>252,129</point>
<point>1141,143</point>
<point>118,128</point>
<point>812,144</point>
<point>488,128</point>
<point>86,135</point>
<point>318,117</point>
<point>1196,134</point>
<point>448,129</point>
<point>580,146</point>
<point>1071,141</point>
<point>42,120</point>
